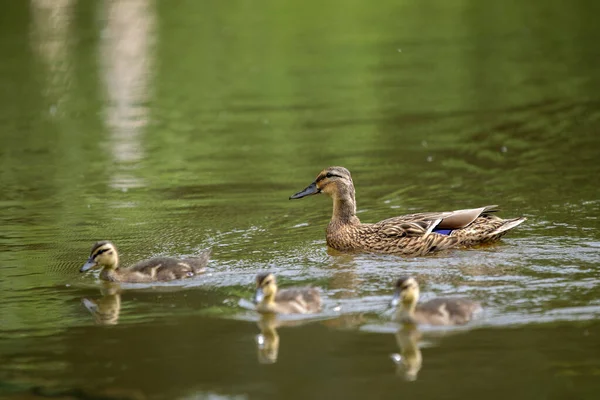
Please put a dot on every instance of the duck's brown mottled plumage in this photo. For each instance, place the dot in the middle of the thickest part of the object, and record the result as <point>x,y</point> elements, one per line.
<point>440,311</point>
<point>105,254</point>
<point>408,234</point>
<point>269,299</point>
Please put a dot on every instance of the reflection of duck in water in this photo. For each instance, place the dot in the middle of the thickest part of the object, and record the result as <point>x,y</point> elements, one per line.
<point>105,254</point>
<point>439,311</point>
<point>269,299</point>
<point>409,360</point>
<point>268,339</point>
<point>414,234</point>
<point>106,310</point>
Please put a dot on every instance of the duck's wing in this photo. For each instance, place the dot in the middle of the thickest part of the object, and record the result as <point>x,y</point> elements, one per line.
<point>304,299</point>
<point>448,311</point>
<point>421,224</point>
<point>398,235</point>
<point>400,227</point>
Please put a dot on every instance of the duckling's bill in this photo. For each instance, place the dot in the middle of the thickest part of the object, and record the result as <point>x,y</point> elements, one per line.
<point>395,299</point>
<point>90,263</point>
<point>309,190</point>
<point>258,296</point>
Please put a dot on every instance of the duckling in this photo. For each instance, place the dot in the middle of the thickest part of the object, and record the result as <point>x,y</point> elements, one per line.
<point>104,254</point>
<point>268,299</point>
<point>410,235</point>
<point>439,311</point>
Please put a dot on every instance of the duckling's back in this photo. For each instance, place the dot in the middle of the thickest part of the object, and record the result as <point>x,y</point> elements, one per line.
<point>303,300</point>
<point>447,311</point>
<point>167,268</point>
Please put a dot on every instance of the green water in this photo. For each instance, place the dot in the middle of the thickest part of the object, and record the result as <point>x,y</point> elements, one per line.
<point>170,127</point>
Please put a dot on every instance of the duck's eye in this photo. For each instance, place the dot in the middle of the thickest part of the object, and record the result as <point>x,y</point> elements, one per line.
<point>329,175</point>
<point>100,252</point>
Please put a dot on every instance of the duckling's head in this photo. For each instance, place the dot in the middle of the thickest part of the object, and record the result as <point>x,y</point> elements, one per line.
<point>103,254</point>
<point>407,292</point>
<point>266,287</point>
<point>333,181</point>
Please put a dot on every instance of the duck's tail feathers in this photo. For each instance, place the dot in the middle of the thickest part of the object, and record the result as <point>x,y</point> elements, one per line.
<point>509,224</point>
<point>199,263</point>
<point>490,209</point>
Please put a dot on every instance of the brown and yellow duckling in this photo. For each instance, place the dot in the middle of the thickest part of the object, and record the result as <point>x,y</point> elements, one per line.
<point>104,254</point>
<point>413,234</point>
<point>441,311</point>
<point>269,299</point>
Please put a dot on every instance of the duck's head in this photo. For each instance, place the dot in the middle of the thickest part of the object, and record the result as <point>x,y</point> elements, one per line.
<point>266,287</point>
<point>103,254</point>
<point>333,181</point>
<point>407,292</point>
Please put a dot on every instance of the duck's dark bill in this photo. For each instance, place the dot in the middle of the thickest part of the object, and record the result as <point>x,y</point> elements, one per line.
<point>88,265</point>
<point>310,189</point>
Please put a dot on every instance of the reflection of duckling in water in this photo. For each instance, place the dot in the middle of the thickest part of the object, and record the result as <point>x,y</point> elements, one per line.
<point>439,311</point>
<point>107,309</point>
<point>268,339</point>
<point>269,302</point>
<point>269,299</point>
<point>409,360</point>
<point>104,254</point>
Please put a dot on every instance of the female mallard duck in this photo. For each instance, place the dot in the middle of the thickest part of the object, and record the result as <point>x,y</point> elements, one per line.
<point>268,299</point>
<point>413,234</point>
<point>104,254</point>
<point>434,312</point>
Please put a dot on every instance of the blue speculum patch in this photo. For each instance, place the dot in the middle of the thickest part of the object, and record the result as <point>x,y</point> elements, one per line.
<point>443,231</point>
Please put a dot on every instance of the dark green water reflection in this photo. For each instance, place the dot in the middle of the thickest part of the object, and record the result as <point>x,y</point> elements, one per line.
<point>171,127</point>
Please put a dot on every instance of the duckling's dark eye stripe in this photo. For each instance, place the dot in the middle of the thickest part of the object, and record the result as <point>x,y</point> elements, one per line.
<point>100,252</point>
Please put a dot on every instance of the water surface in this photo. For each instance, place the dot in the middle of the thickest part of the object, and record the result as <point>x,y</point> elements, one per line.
<point>170,128</point>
